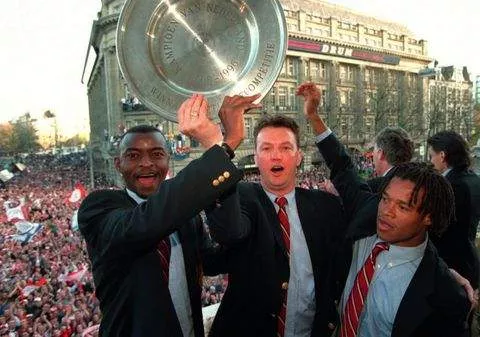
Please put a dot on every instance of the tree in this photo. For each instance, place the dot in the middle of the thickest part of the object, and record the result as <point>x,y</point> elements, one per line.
<point>24,135</point>
<point>6,132</point>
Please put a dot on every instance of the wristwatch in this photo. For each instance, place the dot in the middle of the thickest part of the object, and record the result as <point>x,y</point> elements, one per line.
<point>228,150</point>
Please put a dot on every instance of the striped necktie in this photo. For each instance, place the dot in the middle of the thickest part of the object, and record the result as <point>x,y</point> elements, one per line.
<point>164,249</point>
<point>358,294</point>
<point>285,228</point>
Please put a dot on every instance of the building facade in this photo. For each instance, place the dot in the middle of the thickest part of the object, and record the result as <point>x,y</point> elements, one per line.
<point>367,70</point>
<point>449,103</point>
<point>477,90</point>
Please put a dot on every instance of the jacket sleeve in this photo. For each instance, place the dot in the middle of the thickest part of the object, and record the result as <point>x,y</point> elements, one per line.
<point>353,190</point>
<point>230,220</point>
<point>113,227</point>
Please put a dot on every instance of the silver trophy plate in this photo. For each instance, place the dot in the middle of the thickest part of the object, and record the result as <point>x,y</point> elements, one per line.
<point>168,50</point>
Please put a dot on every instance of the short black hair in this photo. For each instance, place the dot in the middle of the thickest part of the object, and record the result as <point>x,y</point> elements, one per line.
<point>143,128</point>
<point>277,121</point>
<point>455,147</point>
<point>395,144</point>
<point>438,199</point>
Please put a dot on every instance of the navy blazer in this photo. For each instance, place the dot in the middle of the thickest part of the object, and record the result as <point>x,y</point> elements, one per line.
<point>122,237</point>
<point>457,245</point>
<point>257,261</point>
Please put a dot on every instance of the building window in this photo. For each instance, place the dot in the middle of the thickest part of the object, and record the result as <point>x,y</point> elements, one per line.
<point>369,125</point>
<point>290,67</point>
<point>248,128</point>
<point>323,102</point>
<point>344,125</point>
<point>322,70</point>
<point>392,121</point>
<point>282,97</point>
<point>306,68</point>
<point>292,99</point>
<point>345,73</point>
<point>271,98</point>
<point>292,27</point>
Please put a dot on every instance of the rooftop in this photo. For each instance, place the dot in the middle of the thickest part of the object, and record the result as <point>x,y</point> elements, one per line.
<point>344,14</point>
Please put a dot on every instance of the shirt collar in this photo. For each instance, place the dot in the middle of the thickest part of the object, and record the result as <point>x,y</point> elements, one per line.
<point>135,196</point>
<point>447,171</point>
<point>290,196</point>
<point>386,172</point>
<point>397,255</point>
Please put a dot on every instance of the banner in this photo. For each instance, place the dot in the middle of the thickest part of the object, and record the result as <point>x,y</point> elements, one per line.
<point>20,167</point>
<point>26,231</point>
<point>16,213</point>
<point>6,175</point>
<point>78,193</point>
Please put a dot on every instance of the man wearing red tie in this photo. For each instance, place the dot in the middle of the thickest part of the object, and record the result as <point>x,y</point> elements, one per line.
<point>280,241</point>
<point>397,284</point>
<point>143,241</point>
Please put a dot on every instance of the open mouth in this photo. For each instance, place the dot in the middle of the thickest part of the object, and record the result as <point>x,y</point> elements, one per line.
<point>147,179</point>
<point>277,169</point>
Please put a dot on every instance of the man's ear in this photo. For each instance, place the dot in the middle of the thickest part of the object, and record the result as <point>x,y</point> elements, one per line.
<point>299,157</point>
<point>382,154</point>
<point>428,220</point>
<point>443,156</point>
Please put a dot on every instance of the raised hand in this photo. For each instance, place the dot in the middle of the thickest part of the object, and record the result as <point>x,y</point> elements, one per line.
<point>312,97</point>
<point>232,117</point>
<point>194,122</point>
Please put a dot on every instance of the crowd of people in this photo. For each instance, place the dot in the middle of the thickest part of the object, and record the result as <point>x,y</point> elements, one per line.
<point>46,288</point>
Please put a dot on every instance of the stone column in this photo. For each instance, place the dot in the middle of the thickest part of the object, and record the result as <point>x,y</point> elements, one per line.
<point>113,93</point>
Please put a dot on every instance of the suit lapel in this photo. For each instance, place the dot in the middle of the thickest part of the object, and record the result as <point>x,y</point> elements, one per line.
<point>270,212</point>
<point>306,214</point>
<point>415,306</point>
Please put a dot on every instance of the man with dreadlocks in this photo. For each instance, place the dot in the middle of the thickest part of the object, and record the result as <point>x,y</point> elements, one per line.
<point>396,284</point>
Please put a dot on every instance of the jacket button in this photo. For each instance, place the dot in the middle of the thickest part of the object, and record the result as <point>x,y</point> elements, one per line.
<point>285,285</point>
<point>215,182</point>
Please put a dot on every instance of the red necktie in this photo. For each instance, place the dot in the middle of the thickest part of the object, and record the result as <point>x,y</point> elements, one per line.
<point>285,228</point>
<point>359,292</point>
<point>163,249</point>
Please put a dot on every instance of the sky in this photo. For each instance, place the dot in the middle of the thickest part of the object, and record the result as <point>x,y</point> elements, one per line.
<point>44,42</point>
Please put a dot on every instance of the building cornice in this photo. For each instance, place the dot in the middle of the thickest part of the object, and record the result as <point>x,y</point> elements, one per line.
<point>348,44</point>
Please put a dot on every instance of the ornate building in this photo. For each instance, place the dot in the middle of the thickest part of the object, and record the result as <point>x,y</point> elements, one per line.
<point>366,68</point>
<point>449,103</point>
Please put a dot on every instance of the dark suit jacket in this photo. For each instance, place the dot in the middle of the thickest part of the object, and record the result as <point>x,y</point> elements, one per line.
<point>257,261</point>
<point>457,245</point>
<point>433,304</point>
<point>122,237</point>
<point>376,183</point>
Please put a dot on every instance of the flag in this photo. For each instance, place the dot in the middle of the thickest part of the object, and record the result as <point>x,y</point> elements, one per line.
<point>74,276</point>
<point>26,231</point>
<point>74,224</point>
<point>16,213</point>
<point>29,289</point>
<point>78,193</point>
<point>6,175</point>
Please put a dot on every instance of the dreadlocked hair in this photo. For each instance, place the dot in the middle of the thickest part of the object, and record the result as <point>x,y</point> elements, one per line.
<point>438,199</point>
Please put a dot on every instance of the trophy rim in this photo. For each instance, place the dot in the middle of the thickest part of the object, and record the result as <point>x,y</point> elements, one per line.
<point>172,96</point>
